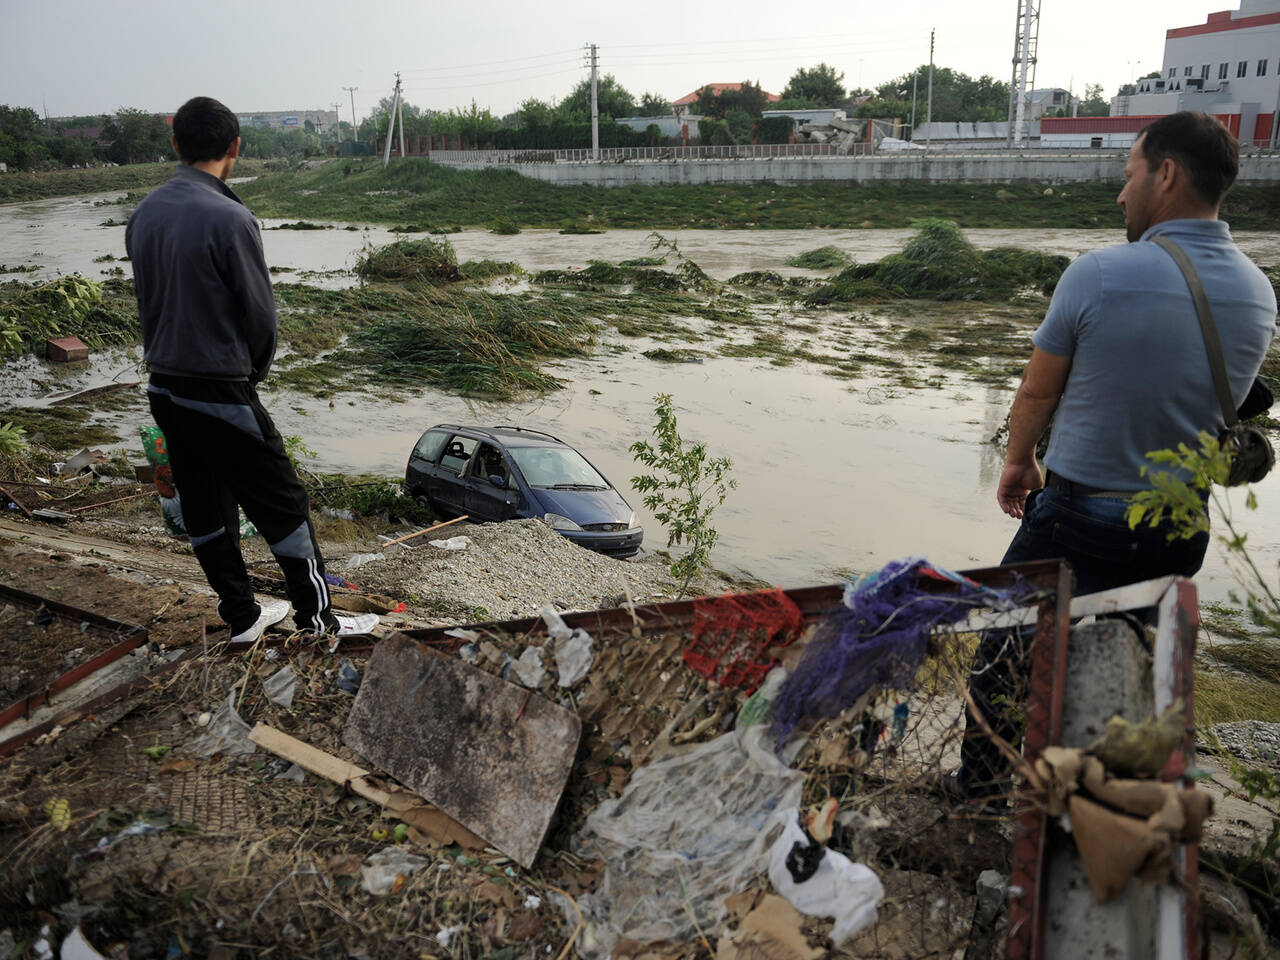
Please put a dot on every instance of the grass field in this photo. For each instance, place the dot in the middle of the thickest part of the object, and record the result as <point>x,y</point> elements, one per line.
<point>436,197</point>
<point>64,183</point>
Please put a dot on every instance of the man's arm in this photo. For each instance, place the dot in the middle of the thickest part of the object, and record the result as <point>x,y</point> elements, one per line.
<point>251,282</point>
<point>1042,384</point>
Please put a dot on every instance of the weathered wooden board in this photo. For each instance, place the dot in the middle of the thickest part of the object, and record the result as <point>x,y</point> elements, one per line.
<point>492,755</point>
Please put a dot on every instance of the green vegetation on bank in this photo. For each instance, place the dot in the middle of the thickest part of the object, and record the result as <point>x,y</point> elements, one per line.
<point>422,193</point>
<point>45,184</point>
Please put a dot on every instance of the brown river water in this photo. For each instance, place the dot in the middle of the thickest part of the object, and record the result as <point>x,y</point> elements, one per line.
<point>833,475</point>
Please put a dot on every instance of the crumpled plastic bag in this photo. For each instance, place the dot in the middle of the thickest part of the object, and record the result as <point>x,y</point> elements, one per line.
<point>529,668</point>
<point>280,687</point>
<point>688,831</point>
<point>847,892</point>
<point>227,733</point>
<point>379,871</point>
<point>453,543</point>
<point>572,648</point>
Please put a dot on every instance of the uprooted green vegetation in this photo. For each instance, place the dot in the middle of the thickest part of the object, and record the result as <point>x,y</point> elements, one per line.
<point>823,258</point>
<point>419,192</point>
<point>100,314</point>
<point>940,264</point>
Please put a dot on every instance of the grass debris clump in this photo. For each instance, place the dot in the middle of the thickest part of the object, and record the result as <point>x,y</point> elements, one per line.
<point>505,226</point>
<point>487,345</point>
<point>940,264</point>
<point>823,258</point>
<point>98,313</point>
<point>430,260</point>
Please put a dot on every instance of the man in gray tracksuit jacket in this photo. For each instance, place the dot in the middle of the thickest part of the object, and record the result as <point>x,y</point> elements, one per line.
<point>209,334</point>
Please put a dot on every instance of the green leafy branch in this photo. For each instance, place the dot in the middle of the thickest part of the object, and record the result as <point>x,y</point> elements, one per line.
<point>684,491</point>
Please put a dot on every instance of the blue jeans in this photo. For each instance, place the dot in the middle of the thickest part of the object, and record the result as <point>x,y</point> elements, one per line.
<point>1092,535</point>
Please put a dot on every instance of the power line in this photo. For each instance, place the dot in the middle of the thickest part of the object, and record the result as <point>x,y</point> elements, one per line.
<point>485,63</point>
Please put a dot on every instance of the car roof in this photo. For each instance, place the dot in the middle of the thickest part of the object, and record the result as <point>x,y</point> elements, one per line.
<point>505,434</point>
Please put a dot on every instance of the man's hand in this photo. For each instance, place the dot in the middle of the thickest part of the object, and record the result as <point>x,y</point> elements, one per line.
<point>1017,480</point>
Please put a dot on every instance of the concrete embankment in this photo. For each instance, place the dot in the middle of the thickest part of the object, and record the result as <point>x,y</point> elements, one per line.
<point>935,168</point>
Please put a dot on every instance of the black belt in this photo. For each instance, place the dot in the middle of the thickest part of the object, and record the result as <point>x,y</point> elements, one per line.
<point>1059,484</point>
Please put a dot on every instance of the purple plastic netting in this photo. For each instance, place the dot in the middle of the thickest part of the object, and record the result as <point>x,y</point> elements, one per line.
<point>877,638</point>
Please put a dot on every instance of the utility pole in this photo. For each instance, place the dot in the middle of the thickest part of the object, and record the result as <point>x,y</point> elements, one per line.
<point>595,107</point>
<point>915,78</point>
<point>352,91</point>
<point>391,124</point>
<point>928,113</point>
<point>400,116</point>
<point>1026,38</point>
<point>337,121</point>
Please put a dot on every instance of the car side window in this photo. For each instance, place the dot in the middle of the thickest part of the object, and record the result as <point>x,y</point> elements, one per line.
<point>457,452</point>
<point>488,462</point>
<point>430,445</point>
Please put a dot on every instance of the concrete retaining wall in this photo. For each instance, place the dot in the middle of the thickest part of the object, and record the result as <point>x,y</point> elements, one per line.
<point>789,170</point>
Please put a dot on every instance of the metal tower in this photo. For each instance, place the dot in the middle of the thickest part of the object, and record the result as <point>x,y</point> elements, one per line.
<point>1025,39</point>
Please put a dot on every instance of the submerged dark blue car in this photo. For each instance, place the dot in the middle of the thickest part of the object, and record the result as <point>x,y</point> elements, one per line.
<point>500,473</point>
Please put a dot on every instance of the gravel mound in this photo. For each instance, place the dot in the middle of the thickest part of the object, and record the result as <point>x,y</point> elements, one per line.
<point>1253,741</point>
<point>508,570</point>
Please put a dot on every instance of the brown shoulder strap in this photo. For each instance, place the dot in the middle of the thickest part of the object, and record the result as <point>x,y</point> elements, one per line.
<point>1212,345</point>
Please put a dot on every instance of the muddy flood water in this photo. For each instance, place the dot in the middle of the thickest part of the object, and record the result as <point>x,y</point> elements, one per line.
<point>833,475</point>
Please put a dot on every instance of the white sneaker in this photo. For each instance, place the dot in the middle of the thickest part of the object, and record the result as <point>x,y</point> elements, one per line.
<point>272,612</point>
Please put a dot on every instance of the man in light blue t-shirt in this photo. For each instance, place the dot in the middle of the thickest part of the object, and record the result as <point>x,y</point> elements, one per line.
<point>1121,359</point>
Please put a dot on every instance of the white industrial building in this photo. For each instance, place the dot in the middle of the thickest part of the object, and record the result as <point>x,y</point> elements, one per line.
<point>1228,66</point>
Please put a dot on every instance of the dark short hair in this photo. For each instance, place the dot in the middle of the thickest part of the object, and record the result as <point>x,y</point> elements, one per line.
<point>1198,143</point>
<point>204,129</point>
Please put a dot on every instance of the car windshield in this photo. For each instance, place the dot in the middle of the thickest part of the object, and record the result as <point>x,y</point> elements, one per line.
<point>557,468</point>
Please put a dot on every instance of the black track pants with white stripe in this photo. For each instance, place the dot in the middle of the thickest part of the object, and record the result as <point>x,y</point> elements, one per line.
<point>226,452</point>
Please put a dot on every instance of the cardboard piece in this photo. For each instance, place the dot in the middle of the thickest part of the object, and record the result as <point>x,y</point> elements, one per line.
<point>490,754</point>
<point>772,931</point>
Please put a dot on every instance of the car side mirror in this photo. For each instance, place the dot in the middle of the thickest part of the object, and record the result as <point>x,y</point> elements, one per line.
<point>498,481</point>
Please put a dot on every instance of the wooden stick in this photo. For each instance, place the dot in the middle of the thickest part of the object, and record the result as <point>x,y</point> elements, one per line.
<point>392,543</point>
<point>107,503</point>
<point>16,502</point>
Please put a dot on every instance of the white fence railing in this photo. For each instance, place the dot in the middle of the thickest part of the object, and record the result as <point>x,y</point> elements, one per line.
<point>1060,149</point>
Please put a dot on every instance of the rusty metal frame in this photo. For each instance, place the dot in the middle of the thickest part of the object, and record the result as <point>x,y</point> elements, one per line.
<point>134,636</point>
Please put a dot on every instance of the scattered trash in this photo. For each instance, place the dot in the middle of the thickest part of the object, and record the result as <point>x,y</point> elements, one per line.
<point>453,543</point>
<point>382,872</point>
<point>59,813</point>
<point>41,948</point>
<point>203,719</point>
<point>358,560</point>
<point>76,947</point>
<point>139,828</point>
<point>821,882</point>
<point>428,821</point>
<point>772,929</point>
<point>688,831</point>
<point>1141,749</point>
<point>280,686</point>
<point>156,752</point>
<point>294,773</point>
<point>760,704</point>
<point>572,648</point>
<point>469,652</point>
<point>877,638</point>
<point>445,935</point>
<point>228,734</point>
<point>82,461</point>
<point>993,888</point>
<point>495,757</point>
<point>348,678</point>
<point>529,668</point>
<point>336,581</point>
<point>532,902</point>
<point>463,634</point>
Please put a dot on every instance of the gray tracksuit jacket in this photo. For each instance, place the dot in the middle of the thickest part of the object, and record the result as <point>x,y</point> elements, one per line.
<point>204,293</point>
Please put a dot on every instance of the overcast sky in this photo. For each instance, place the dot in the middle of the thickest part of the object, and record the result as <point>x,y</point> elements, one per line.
<point>92,56</point>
